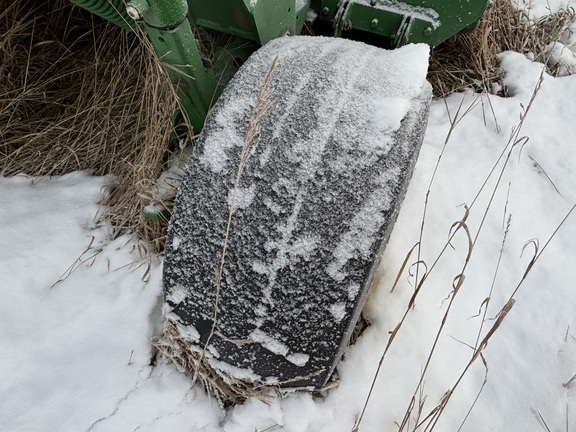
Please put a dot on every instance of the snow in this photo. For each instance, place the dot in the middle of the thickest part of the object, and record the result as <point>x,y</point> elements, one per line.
<point>390,112</point>
<point>563,57</point>
<point>241,197</point>
<point>76,315</point>
<point>338,310</point>
<point>79,310</point>
<point>538,8</point>
<point>277,347</point>
<point>269,342</point>
<point>357,241</point>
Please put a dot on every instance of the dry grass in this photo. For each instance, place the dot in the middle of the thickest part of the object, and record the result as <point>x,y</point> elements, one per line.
<point>78,93</point>
<point>177,348</point>
<point>471,60</point>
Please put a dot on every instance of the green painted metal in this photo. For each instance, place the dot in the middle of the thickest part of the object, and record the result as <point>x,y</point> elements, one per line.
<point>225,16</point>
<point>171,24</point>
<point>326,9</point>
<point>111,10</point>
<point>273,19</point>
<point>454,16</point>
<point>159,14</point>
<point>196,86</point>
<point>257,20</point>
<point>402,22</point>
<point>172,36</point>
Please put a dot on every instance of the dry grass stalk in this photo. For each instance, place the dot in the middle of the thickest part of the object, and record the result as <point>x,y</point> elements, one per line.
<point>78,93</point>
<point>190,357</point>
<point>471,60</point>
<point>570,381</point>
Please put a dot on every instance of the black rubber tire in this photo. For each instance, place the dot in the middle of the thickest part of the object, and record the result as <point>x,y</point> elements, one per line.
<point>315,205</point>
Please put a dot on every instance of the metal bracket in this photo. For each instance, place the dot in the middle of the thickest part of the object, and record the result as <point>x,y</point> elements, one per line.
<point>171,35</point>
<point>402,36</point>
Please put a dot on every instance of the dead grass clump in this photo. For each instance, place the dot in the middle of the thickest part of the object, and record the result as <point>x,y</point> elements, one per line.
<point>177,348</point>
<point>470,61</point>
<point>79,93</point>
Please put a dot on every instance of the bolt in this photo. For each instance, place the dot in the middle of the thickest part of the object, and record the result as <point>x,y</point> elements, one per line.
<point>428,31</point>
<point>133,12</point>
<point>325,11</point>
<point>137,8</point>
<point>374,23</point>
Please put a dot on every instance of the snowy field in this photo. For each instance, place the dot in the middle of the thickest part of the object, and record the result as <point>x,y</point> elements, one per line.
<point>79,310</point>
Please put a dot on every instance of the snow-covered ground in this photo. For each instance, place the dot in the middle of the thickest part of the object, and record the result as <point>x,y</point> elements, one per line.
<point>78,310</point>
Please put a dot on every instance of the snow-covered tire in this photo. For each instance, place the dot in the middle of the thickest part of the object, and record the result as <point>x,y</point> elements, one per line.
<point>313,209</point>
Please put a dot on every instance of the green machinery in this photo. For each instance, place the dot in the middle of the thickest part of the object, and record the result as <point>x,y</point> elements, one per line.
<point>171,25</point>
<point>307,148</point>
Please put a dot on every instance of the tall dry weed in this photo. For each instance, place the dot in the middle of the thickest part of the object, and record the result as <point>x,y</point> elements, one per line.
<point>179,349</point>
